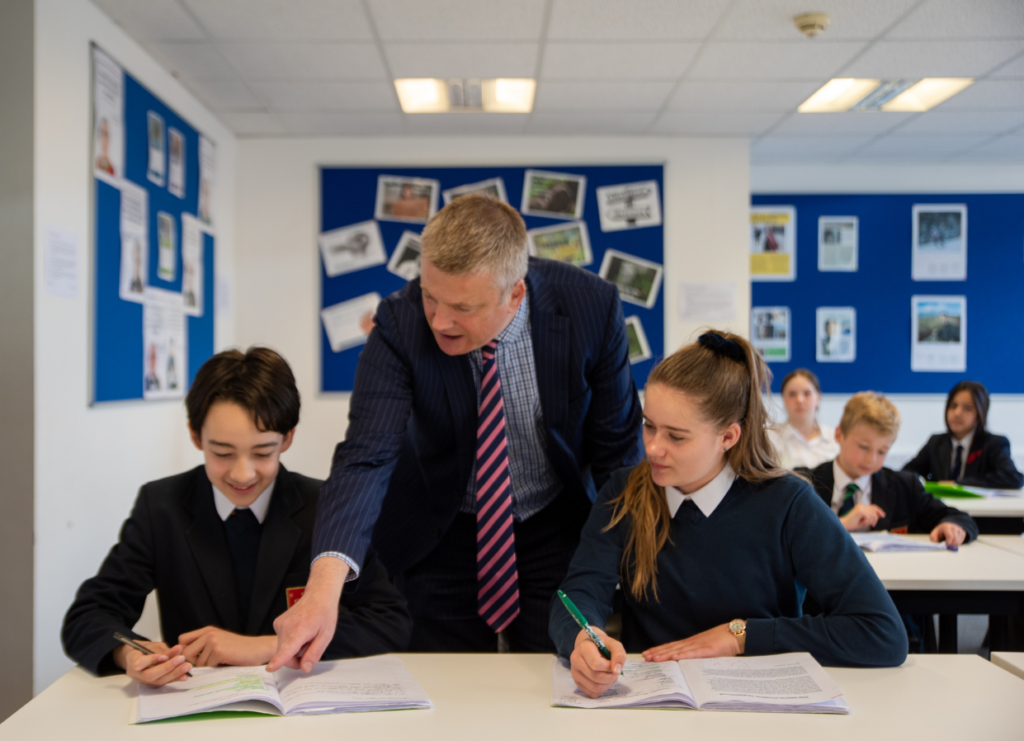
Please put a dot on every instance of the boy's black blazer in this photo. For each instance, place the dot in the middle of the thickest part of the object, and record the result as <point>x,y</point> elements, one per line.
<point>988,462</point>
<point>903,499</point>
<point>174,542</point>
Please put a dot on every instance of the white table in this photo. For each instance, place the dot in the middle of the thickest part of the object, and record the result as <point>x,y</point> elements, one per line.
<point>1011,543</point>
<point>991,507</point>
<point>1011,662</point>
<point>506,698</point>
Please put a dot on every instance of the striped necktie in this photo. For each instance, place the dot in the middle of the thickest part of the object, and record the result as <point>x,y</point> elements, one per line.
<point>497,578</point>
<point>848,498</point>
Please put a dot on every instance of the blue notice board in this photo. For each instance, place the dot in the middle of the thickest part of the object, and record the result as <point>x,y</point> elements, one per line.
<point>348,196</point>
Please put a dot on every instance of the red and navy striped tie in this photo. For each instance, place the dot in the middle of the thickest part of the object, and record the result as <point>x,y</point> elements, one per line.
<point>497,579</point>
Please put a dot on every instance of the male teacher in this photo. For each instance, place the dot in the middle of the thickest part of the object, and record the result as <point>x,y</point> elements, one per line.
<point>492,400</point>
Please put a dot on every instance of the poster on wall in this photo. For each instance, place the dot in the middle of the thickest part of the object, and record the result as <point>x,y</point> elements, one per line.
<point>207,171</point>
<point>939,241</point>
<point>638,280</point>
<point>556,195</point>
<point>938,338</point>
<point>629,206</point>
<point>835,334</point>
<point>406,199</point>
<point>155,136</point>
<point>492,188</point>
<point>405,260</point>
<point>349,323</point>
<point>165,352</point>
<point>352,247</point>
<point>176,166</point>
<point>167,240</point>
<point>639,350</point>
<point>769,333</point>
<point>108,118</point>
<point>134,242</point>
<point>563,242</point>
<point>772,243</point>
<point>192,265</point>
<point>838,243</point>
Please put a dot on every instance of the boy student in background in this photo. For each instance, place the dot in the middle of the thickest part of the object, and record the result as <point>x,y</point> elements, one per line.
<point>968,453</point>
<point>714,544</point>
<point>802,441</point>
<point>226,545</point>
<point>867,496</point>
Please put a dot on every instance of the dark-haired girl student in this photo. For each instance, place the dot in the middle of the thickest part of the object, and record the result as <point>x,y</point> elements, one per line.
<point>967,453</point>
<point>715,546</point>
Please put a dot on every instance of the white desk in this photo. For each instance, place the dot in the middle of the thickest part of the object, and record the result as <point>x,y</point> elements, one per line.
<point>506,698</point>
<point>992,507</point>
<point>1012,543</point>
<point>1011,662</point>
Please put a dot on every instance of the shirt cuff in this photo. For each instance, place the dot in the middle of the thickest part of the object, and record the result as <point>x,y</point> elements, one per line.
<point>353,572</point>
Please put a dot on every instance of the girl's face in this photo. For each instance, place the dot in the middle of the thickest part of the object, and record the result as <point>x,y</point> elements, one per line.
<point>962,415</point>
<point>684,449</point>
<point>800,398</point>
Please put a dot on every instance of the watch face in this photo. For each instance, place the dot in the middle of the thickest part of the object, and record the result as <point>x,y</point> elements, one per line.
<point>736,626</point>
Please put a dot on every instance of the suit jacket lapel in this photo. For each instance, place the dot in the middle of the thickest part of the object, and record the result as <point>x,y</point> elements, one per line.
<point>824,482</point>
<point>944,465</point>
<point>278,541</point>
<point>549,331</point>
<point>973,456</point>
<point>882,497</point>
<point>209,546</point>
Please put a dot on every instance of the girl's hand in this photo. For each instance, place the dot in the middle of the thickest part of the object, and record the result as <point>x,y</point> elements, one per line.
<point>718,641</point>
<point>592,672</point>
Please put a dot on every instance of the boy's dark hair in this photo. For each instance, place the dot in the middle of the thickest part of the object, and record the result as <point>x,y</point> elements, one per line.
<point>259,381</point>
<point>979,394</point>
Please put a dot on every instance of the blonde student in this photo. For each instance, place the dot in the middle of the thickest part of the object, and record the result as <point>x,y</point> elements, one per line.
<point>715,546</point>
<point>802,441</point>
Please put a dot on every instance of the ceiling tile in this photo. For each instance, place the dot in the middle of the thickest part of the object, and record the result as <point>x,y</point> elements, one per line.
<point>154,19</point>
<point>329,96</point>
<point>912,59</point>
<point>839,124</point>
<point>736,123</point>
<point>342,124</point>
<point>804,148</point>
<point>462,60</point>
<point>694,95</point>
<point>766,60</point>
<point>617,61</point>
<point>282,20</point>
<point>635,19</point>
<point>224,95</point>
<point>591,123</point>
<point>1014,68</point>
<point>988,95</point>
<point>243,123</point>
<point>466,20</point>
<point>447,124</point>
<point>963,122</point>
<point>956,19</point>
<point>918,147</point>
<point>324,61</point>
<point>1003,149</point>
<point>191,60</point>
<point>772,20</point>
<point>601,96</point>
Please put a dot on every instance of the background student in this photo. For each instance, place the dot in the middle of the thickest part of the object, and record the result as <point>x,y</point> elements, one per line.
<point>713,543</point>
<point>868,496</point>
<point>802,441</point>
<point>967,453</point>
<point>226,545</point>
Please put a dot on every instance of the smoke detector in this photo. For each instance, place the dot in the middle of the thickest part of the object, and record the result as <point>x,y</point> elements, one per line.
<point>811,24</point>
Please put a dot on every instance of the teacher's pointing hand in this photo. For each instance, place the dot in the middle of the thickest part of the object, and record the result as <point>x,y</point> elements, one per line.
<point>305,630</point>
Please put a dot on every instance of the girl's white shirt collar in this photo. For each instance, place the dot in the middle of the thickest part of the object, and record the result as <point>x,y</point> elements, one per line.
<point>707,498</point>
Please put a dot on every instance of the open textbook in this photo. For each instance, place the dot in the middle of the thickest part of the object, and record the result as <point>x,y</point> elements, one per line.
<point>784,683</point>
<point>345,686</point>
<point>882,541</point>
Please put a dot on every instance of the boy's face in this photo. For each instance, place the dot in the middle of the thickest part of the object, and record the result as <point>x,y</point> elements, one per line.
<point>240,460</point>
<point>862,450</point>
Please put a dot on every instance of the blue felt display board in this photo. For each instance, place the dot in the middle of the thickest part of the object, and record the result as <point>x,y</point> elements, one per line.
<point>881,289</point>
<point>117,335</point>
<point>348,196</point>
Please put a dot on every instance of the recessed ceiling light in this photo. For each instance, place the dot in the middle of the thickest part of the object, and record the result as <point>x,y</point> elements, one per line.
<point>422,95</point>
<point>509,95</point>
<point>927,93</point>
<point>838,95</point>
<point>503,95</point>
<point>853,94</point>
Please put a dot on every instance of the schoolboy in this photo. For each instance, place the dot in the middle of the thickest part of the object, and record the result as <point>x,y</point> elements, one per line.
<point>226,545</point>
<point>868,496</point>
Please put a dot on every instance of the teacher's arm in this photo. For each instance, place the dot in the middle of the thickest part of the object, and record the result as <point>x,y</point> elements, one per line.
<point>351,498</point>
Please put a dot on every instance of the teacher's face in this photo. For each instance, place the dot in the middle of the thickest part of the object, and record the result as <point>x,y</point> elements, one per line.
<point>466,311</point>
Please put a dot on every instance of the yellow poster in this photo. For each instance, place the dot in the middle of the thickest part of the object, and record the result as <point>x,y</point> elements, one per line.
<point>773,243</point>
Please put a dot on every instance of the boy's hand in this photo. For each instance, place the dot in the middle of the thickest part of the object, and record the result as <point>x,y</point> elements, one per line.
<point>157,669</point>
<point>861,516</point>
<point>950,532</point>
<point>592,672</point>
<point>212,646</point>
<point>712,643</point>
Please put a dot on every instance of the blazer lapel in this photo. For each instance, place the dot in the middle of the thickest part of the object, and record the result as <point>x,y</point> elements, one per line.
<point>209,546</point>
<point>826,480</point>
<point>549,331</point>
<point>972,460</point>
<point>882,497</point>
<point>944,453</point>
<point>278,541</point>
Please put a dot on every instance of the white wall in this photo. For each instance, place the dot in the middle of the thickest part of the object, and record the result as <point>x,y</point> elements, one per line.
<point>90,462</point>
<point>706,200</point>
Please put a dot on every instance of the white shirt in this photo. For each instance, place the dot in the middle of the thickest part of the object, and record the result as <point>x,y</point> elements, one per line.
<point>259,507</point>
<point>795,450</point>
<point>966,443</point>
<point>839,490</point>
<point>707,498</point>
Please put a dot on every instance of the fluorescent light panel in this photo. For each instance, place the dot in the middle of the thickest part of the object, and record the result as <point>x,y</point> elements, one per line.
<point>927,94</point>
<point>503,95</point>
<point>838,95</point>
<point>848,93</point>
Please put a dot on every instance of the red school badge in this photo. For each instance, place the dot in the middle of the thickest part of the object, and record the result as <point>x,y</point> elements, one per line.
<point>294,594</point>
<point>973,457</point>
<point>894,531</point>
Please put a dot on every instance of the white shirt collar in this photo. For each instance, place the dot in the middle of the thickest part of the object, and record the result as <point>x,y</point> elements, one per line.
<point>259,507</point>
<point>966,442</point>
<point>839,490</point>
<point>707,498</point>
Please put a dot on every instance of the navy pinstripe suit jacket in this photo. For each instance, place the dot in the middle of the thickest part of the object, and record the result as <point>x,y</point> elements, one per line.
<point>400,474</point>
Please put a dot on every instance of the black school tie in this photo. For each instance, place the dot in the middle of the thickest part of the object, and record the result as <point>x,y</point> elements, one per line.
<point>957,462</point>
<point>243,531</point>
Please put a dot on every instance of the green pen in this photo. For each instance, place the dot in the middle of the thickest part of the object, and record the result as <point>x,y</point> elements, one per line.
<point>582,622</point>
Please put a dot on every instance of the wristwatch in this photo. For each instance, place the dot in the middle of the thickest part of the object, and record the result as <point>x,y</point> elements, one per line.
<point>738,628</point>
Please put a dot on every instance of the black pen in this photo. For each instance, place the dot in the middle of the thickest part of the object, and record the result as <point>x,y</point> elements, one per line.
<point>139,647</point>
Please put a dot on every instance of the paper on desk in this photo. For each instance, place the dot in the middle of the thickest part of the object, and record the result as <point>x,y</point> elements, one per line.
<point>882,540</point>
<point>374,683</point>
<point>211,688</point>
<point>641,684</point>
<point>989,493</point>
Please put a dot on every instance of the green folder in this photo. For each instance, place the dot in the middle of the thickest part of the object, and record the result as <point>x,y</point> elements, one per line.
<point>943,491</point>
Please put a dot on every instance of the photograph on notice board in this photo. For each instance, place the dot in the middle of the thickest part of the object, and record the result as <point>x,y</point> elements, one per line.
<point>176,166</point>
<point>556,195</point>
<point>938,333</point>
<point>167,253</point>
<point>349,323</point>
<point>769,332</point>
<point>134,242</point>
<point>638,280</point>
<point>492,187</point>
<point>191,265</point>
<point>629,206</point>
<point>157,159</point>
<point>638,348</point>
<point>837,243</point>
<point>563,242</point>
<point>772,243</point>
<point>836,334</point>
<point>164,345</point>
<point>406,199</point>
<point>352,248</point>
<point>108,118</point>
<point>405,260</point>
<point>207,155</point>
<point>939,241</point>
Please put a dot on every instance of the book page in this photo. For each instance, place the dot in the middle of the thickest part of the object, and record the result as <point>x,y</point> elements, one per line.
<point>793,679</point>
<point>210,688</point>
<point>372,683</point>
<point>641,684</point>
